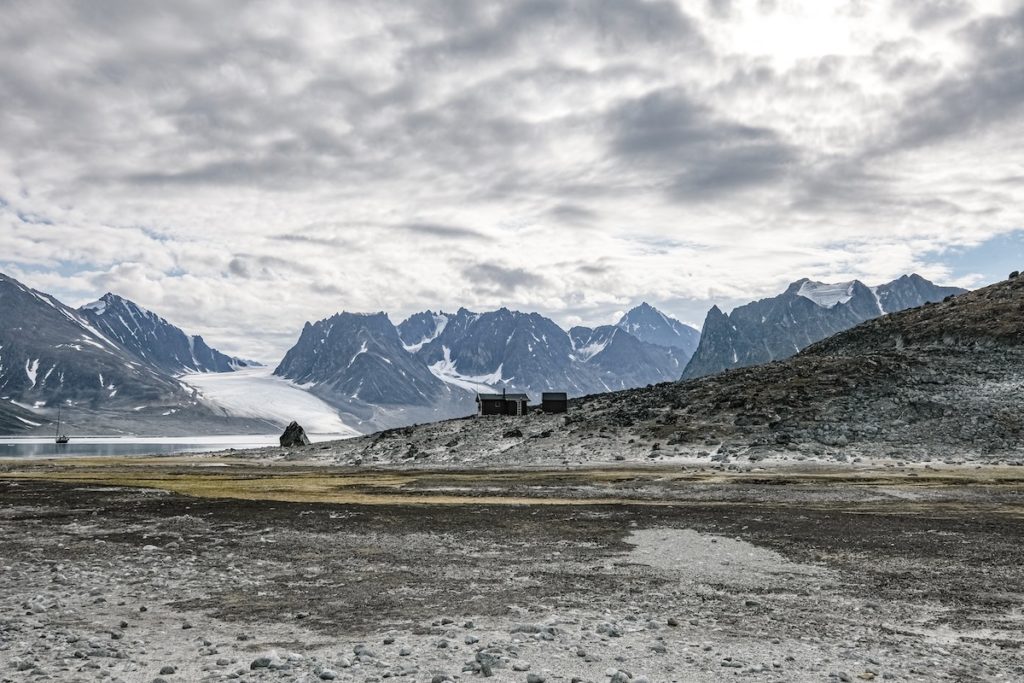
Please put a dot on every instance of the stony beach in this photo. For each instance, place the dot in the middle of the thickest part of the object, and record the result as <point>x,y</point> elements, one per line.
<point>208,569</point>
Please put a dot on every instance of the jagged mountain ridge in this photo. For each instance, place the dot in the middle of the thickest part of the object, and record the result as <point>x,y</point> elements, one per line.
<point>650,325</point>
<point>360,356</point>
<point>807,312</point>
<point>513,350</point>
<point>433,359</point>
<point>51,354</point>
<point>153,339</point>
<point>622,361</point>
<point>359,364</point>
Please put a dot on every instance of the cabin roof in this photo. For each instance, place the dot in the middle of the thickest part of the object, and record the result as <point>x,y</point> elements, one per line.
<point>502,397</point>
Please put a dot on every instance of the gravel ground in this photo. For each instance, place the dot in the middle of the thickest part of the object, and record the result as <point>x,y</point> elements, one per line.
<point>757,581</point>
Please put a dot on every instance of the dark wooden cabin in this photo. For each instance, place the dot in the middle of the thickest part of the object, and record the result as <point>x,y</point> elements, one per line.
<point>554,402</point>
<point>501,404</point>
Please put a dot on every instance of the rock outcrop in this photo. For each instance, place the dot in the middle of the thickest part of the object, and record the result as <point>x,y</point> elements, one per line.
<point>294,436</point>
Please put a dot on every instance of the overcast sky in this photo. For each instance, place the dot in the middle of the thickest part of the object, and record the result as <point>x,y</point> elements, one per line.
<point>242,167</point>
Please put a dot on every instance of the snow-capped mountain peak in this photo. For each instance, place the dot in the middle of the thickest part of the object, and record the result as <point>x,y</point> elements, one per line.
<point>648,324</point>
<point>153,339</point>
<point>826,295</point>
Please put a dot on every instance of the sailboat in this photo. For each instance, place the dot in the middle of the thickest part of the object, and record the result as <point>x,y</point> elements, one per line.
<point>60,438</point>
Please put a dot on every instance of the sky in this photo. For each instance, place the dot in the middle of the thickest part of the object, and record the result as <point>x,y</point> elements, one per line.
<point>243,167</point>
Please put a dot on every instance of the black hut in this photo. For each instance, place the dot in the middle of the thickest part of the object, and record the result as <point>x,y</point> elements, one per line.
<point>501,404</point>
<point>554,402</point>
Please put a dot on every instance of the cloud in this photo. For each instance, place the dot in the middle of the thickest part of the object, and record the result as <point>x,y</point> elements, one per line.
<point>496,278</point>
<point>242,167</point>
<point>988,90</point>
<point>443,231</point>
<point>698,153</point>
<point>925,14</point>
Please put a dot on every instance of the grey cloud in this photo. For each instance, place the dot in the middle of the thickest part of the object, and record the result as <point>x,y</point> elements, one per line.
<point>259,266</point>
<point>594,269</point>
<point>721,9</point>
<point>572,213</point>
<point>615,24</point>
<point>239,267</point>
<point>323,241</point>
<point>705,155</point>
<point>445,231</point>
<point>989,91</point>
<point>497,278</point>
<point>924,14</point>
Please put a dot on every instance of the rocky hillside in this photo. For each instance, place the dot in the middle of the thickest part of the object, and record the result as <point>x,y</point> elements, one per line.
<point>807,312</point>
<point>944,381</point>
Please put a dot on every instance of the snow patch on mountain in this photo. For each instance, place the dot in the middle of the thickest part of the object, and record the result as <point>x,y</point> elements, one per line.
<point>878,299</point>
<point>99,306</point>
<point>32,370</point>
<point>827,295</point>
<point>446,371</point>
<point>585,353</point>
<point>440,321</point>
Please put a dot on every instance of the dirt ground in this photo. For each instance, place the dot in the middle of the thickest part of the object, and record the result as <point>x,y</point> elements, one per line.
<point>228,571</point>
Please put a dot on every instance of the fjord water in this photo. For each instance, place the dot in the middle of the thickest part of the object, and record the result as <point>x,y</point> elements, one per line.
<point>128,446</point>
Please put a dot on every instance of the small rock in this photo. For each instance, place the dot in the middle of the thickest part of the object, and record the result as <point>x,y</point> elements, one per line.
<point>167,671</point>
<point>294,436</point>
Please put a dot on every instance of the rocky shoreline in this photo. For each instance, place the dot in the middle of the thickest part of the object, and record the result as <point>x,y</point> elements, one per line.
<point>698,580</point>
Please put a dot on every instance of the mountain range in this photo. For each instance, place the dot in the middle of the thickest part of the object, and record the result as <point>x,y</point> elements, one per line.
<point>936,383</point>
<point>118,367</point>
<point>807,312</point>
<point>431,365</point>
<point>110,360</point>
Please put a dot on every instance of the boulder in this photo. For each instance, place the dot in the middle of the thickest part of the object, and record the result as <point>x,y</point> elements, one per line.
<point>294,435</point>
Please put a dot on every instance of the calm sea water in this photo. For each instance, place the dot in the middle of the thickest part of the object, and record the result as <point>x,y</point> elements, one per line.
<point>100,446</point>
